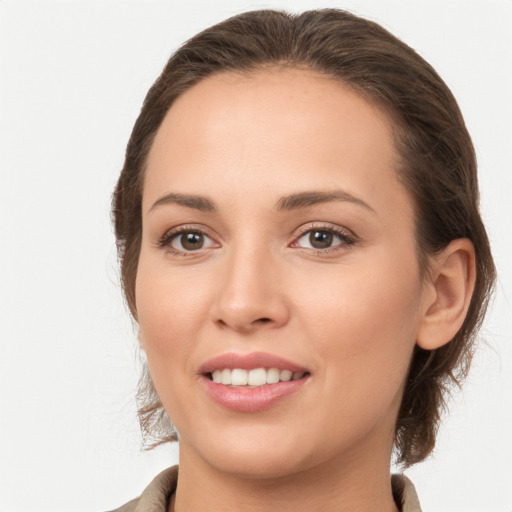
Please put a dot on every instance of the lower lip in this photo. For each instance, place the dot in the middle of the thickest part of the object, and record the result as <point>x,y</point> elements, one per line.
<point>243,399</point>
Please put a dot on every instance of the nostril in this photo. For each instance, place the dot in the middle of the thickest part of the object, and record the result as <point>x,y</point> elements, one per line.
<point>263,320</point>
<point>245,320</point>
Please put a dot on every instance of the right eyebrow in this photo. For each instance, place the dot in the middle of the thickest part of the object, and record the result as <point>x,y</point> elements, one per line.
<point>309,198</point>
<point>200,203</point>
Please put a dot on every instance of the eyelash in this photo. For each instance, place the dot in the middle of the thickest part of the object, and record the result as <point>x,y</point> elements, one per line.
<point>167,238</point>
<point>346,237</point>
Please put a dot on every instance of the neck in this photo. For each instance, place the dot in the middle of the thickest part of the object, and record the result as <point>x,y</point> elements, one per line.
<point>337,486</point>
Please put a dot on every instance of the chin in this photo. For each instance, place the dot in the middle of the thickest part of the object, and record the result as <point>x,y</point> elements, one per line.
<point>263,465</point>
<point>255,453</point>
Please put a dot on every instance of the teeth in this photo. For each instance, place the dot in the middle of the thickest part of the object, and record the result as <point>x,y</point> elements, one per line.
<point>226,377</point>
<point>272,376</point>
<point>238,377</point>
<point>254,378</point>
<point>257,377</point>
<point>285,375</point>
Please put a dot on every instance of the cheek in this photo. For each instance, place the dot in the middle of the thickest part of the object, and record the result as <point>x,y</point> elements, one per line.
<point>171,311</point>
<point>366,323</point>
<point>171,314</point>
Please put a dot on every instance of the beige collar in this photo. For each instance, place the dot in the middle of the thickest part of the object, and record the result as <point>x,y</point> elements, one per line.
<point>155,497</point>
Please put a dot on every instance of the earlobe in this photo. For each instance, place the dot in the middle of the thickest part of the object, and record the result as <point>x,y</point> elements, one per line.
<point>451,284</point>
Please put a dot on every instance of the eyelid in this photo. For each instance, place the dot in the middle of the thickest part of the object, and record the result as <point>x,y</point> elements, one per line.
<point>164,241</point>
<point>347,236</point>
<point>324,226</point>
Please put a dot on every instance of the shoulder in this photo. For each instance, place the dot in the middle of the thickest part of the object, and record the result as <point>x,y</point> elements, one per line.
<point>405,493</point>
<point>128,507</point>
<point>155,497</point>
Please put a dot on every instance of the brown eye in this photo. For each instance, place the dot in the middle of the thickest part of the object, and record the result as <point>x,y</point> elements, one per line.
<point>189,241</point>
<point>323,239</point>
<point>320,239</point>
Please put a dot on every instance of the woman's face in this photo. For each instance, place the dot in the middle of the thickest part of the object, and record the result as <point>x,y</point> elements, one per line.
<point>277,238</point>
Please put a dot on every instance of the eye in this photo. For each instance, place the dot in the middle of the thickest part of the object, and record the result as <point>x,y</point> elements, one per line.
<point>187,241</point>
<point>321,239</point>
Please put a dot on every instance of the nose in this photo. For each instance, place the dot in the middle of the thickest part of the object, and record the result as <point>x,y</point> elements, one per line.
<point>250,294</point>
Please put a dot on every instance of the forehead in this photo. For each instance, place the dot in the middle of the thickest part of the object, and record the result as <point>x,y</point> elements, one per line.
<point>268,128</point>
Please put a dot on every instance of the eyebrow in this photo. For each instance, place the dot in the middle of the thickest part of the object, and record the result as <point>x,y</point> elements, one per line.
<point>305,199</point>
<point>200,203</point>
<point>285,203</point>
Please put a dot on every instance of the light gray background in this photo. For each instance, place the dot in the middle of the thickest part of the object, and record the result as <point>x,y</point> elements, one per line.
<point>73,76</point>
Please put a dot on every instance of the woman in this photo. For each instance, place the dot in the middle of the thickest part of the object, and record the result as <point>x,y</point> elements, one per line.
<point>300,243</point>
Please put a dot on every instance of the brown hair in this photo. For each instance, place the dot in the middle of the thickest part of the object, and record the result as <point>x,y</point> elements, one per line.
<point>438,167</point>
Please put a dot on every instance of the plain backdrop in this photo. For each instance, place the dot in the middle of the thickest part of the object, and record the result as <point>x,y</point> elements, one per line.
<point>73,77</point>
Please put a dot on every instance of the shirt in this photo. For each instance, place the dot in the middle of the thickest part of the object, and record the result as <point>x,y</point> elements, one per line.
<point>155,497</point>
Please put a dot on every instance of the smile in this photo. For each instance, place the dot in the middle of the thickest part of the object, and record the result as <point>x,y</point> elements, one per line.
<point>251,382</point>
<point>256,377</point>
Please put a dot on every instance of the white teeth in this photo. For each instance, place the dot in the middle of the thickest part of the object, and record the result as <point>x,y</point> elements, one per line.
<point>226,377</point>
<point>272,376</point>
<point>285,375</point>
<point>254,378</point>
<point>257,377</point>
<point>239,377</point>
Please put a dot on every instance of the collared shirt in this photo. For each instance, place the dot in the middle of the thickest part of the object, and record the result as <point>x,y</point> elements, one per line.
<point>155,497</point>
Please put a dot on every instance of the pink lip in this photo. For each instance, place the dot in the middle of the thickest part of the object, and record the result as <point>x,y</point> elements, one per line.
<point>250,399</point>
<point>249,362</point>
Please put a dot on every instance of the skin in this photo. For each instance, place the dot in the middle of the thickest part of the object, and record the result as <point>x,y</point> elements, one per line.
<point>351,313</point>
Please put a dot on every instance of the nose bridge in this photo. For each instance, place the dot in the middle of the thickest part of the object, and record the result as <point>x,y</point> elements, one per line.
<point>249,293</point>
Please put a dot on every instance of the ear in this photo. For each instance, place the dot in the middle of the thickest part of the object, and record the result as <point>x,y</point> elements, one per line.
<point>448,293</point>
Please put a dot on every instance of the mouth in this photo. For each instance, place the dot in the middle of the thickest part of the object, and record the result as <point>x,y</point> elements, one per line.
<point>251,382</point>
<point>257,377</point>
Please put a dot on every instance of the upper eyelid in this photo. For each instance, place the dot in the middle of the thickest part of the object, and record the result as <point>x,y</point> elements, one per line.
<point>297,232</point>
<point>169,234</point>
<point>184,228</point>
<point>323,226</point>
<point>347,237</point>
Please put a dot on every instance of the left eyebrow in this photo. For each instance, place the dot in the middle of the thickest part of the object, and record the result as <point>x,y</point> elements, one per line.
<point>200,203</point>
<point>309,198</point>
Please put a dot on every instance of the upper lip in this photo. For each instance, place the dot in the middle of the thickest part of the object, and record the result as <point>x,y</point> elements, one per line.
<point>249,361</point>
